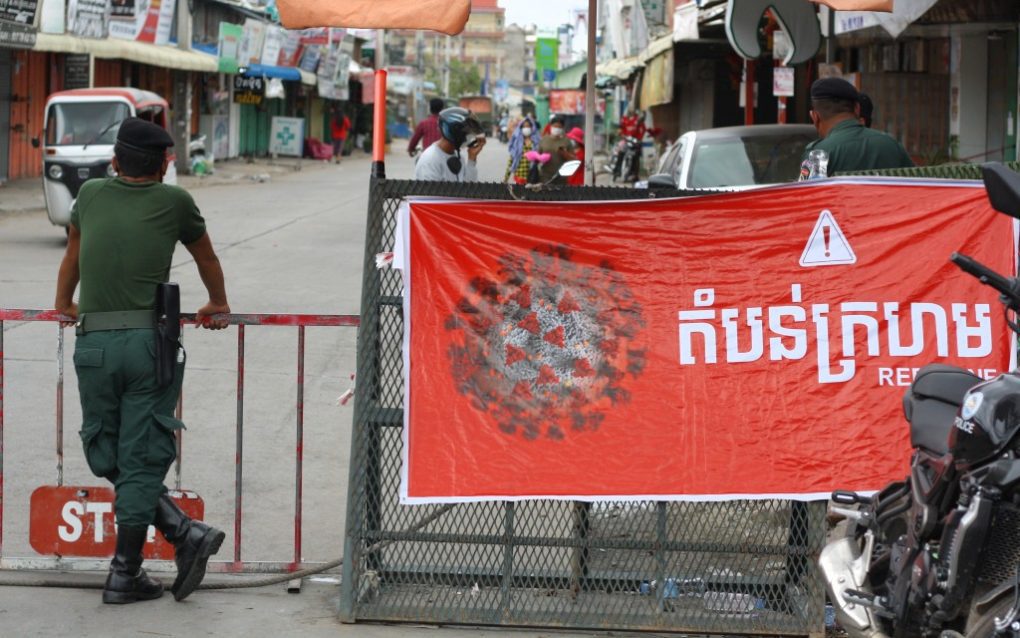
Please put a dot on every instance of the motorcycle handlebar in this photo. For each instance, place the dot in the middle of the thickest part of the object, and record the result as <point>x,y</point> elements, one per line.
<point>986,275</point>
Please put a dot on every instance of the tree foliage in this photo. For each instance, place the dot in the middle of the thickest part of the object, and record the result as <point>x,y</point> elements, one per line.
<point>464,78</point>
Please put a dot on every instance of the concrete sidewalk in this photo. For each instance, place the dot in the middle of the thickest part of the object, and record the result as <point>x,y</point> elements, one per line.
<point>252,613</point>
<point>26,195</point>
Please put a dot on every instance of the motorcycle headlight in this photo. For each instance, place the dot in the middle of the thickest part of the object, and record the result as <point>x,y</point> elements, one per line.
<point>109,171</point>
<point>56,171</point>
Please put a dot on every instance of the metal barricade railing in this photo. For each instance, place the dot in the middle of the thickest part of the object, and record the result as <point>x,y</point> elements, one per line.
<point>734,568</point>
<point>237,564</point>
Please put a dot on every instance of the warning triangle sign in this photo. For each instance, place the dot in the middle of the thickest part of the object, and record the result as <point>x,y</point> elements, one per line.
<point>827,245</point>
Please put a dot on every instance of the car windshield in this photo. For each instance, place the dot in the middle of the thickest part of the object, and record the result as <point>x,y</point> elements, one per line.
<point>746,161</point>
<point>80,123</point>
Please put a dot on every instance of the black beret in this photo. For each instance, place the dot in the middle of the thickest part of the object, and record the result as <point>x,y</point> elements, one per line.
<point>833,89</point>
<point>141,135</point>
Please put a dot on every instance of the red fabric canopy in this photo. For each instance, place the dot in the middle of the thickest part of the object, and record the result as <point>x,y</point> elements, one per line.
<point>445,16</point>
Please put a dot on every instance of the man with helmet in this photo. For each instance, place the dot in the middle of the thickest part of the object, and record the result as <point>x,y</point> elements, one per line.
<point>442,162</point>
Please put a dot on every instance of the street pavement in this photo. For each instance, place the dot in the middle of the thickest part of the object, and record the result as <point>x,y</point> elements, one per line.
<point>290,241</point>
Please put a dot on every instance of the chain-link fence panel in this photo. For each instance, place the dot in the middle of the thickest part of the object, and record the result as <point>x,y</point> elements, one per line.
<point>941,171</point>
<point>736,567</point>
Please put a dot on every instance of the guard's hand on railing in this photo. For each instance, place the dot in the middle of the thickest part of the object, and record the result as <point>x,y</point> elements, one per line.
<point>70,311</point>
<point>205,317</point>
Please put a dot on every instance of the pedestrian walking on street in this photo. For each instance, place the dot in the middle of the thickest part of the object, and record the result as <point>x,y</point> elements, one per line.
<point>442,162</point>
<point>557,146</point>
<point>127,356</point>
<point>524,138</point>
<point>427,131</point>
<point>849,145</point>
<point>340,126</point>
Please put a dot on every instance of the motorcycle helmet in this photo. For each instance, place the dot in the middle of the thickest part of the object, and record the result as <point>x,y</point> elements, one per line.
<point>456,123</point>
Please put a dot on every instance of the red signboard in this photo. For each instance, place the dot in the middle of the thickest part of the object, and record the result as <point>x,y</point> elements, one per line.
<point>79,521</point>
<point>752,344</point>
<point>566,101</point>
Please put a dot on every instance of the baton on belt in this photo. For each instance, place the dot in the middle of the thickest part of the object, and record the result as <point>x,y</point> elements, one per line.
<point>168,331</point>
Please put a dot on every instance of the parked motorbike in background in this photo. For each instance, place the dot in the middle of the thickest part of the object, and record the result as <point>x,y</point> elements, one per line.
<point>625,162</point>
<point>938,554</point>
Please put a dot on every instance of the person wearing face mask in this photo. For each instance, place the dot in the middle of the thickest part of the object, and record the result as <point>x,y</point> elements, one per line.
<point>442,162</point>
<point>557,146</point>
<point>524,138</point>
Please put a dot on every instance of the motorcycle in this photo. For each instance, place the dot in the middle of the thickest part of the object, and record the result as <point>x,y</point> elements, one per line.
<point>938,554</point>
<point>626,160</point>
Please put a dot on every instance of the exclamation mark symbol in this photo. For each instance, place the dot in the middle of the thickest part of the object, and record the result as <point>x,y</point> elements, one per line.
<point>827,237</point>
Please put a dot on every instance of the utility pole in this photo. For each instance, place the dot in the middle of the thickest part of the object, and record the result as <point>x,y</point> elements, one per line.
<point>419,46</point>
<point>182,93</point>
<point>590,103</point>
<point>446,69</point>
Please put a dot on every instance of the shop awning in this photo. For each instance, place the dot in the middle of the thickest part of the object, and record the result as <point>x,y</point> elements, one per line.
<point>288,73</point>
<point>620,68</point>
<point>657,47</point>
<point>113,48</point>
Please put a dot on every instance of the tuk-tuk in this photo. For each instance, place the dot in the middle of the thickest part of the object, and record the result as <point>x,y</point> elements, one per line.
<point>81,128</point>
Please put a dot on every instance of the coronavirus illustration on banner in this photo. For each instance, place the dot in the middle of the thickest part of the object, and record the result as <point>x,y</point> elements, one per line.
<point>744,345</point>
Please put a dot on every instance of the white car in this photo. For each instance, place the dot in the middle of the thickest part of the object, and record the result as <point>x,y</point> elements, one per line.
<point>734,157</point>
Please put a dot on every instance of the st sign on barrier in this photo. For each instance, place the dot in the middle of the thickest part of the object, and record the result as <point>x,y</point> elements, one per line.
<point>78,521</point>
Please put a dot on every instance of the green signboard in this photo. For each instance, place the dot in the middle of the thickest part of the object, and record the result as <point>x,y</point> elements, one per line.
<point>547,56</point>
<point>229,47</point>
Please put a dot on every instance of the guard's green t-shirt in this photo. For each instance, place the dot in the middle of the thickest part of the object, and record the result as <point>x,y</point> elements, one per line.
<point>128,234</point>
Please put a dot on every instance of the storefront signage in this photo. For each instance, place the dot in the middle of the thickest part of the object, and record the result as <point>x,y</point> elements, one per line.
<point>88,18</point>
<point>228,48</point>
<point>16,36</point>
<point>251,43</point>
<point>566,101</point>
<point>249,90</point>
<point>122,9</point>
<point>21,12</point>
<point>272,46</point>
<point>151,25</point>
<point>286,136</point>
<point>782,81</point>
<point>76,71</point>
<point>17,23</point>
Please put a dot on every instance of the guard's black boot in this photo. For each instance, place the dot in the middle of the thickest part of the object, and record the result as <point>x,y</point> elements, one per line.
<point>127,581</point>
<point>194,542</point>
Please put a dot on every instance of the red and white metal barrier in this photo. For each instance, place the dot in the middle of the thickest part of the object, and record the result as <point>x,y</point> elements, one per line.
<point>301,322</point>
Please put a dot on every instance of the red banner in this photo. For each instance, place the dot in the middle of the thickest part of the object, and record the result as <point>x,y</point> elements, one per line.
<point>753,344</point>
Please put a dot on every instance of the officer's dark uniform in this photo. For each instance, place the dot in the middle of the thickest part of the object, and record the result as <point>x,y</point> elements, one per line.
<point>128,233</point>
<point>850,145</point>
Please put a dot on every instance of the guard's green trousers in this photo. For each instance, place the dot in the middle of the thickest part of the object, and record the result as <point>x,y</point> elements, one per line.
<point>128,425</point>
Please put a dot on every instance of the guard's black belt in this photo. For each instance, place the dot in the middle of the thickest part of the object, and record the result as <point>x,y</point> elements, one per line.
<point>119,320</point>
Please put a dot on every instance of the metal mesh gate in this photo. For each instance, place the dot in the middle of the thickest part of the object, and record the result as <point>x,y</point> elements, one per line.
<point>744,567</point>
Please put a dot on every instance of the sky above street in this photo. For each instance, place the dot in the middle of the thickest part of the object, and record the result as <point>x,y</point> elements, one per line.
<point>542,13</point>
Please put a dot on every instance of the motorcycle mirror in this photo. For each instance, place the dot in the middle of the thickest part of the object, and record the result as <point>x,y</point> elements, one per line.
<point>1003,187</point>
<point>569,168</point>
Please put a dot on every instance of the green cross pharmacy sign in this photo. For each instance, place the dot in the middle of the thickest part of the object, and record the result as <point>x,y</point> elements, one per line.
<point>286,136</point>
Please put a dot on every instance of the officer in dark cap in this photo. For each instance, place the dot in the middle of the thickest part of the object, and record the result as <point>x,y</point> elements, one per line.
<point>120,245</point>
<point>849,144</point>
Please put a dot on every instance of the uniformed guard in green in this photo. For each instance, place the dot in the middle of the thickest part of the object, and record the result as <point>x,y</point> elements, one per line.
<point>120,245</point>
<point>850,145</point>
